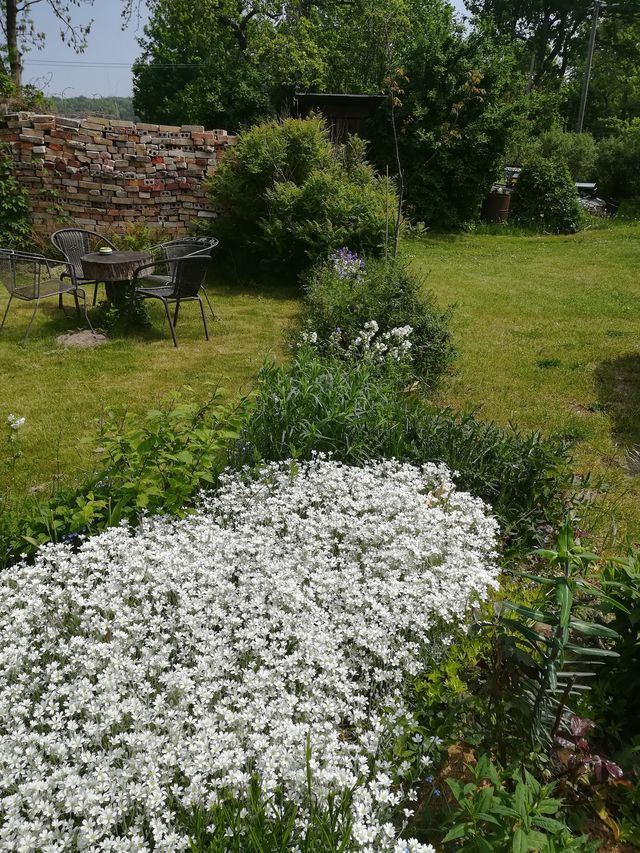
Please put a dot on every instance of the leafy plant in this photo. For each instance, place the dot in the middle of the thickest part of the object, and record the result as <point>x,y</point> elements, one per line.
<point>15,210</point>
<point>337,306</point>
<point>137,236</point>
<point>154,463</point>
<point>545,198</point>
<point>559,657</point>
<point>577,150</point>
<point>617,165</point>
<point>494,811</point>
<point>288,197</point>
<point>323,404</point>
<point>619,683</point>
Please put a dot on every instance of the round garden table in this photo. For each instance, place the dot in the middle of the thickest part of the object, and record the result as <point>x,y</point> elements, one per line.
<point>116,270</point>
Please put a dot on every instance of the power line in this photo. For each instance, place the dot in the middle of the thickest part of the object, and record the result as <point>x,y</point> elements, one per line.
<point>64,63</point>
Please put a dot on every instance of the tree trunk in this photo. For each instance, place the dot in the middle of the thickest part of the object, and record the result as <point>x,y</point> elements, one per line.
<point>15,57</point>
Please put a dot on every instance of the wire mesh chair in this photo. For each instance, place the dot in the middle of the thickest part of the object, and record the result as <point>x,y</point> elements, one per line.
<point>186,278</point>
<point>73,243</point>
<point>183,247</point>
<point>32,278</point>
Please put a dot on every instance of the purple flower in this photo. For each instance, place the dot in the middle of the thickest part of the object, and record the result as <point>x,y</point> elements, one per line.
<point>347,264</point>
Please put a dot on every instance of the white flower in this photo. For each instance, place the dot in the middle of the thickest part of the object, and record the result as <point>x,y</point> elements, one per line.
<point>16,423</point>
<point>159,669</point>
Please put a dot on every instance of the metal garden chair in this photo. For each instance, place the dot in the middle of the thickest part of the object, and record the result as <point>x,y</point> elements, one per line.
<point>183,247</point>
<point>32,278</point>
<point>73,243</point>
<point>185,277</point>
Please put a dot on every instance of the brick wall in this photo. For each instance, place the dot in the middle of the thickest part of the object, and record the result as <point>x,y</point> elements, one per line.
<point>102,173</point>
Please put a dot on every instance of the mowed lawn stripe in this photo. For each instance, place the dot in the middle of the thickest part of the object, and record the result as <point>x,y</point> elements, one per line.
<point>548,335</point>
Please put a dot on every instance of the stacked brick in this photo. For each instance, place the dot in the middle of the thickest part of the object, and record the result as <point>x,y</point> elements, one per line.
<point>102,173</point>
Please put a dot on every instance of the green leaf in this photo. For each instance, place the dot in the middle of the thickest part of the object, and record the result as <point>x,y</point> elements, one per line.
<point>581,651</point>
<point>565,600</point>
<point>520,842</point>
<point>592,629</point>
<point>458,831</point>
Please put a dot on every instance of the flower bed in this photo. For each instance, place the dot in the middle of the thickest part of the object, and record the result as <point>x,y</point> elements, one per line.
<point>156,670</point>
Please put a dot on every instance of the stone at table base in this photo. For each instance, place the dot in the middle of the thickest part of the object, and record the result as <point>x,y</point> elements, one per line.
<point>83,339</point>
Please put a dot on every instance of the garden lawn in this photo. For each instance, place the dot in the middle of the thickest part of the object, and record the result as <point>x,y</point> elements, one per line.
<point>548,336</point>
<point>62,393</point>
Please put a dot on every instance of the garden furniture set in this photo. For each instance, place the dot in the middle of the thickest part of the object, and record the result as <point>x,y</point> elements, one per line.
<point>173,272</point>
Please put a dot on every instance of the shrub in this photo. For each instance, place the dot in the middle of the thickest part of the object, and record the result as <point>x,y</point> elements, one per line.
<point>545,198</point>
<point>618,165</point>
<point>15,210</point>
<point>268,637</point>
<point>138,236</point>
<point>577,150</point>
<point>526,478</point>
<point>346,299</point>
<point>287,196</point>
<point>358,410</point>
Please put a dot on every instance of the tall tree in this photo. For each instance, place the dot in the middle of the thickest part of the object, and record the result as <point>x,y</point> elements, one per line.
<point>232,62</point>
<point>21,33</point>
<point>552,33</point>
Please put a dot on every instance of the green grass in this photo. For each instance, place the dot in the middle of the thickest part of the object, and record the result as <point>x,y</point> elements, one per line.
<point>547,330</point>
<point>548,335</point>
<point>62,392</point>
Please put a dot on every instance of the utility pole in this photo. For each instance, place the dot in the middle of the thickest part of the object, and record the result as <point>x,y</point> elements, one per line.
<point>597,5</point>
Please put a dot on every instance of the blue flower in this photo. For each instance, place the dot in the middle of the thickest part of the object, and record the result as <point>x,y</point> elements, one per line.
<point>429,779</point>
<point>437,792</point>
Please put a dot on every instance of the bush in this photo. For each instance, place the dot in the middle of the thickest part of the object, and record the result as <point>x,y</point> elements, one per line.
<point>138,236</point>
<point>15,210</point>
<point>288,197</point>
<point>347,298</point>
<point>359,410</point>
<point>577,150</point>
<point>545,198</point>
<point>618,165</point>
<point>459,103</point>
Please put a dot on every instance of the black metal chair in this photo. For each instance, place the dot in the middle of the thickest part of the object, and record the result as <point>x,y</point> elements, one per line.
<point>182,247</point>
<point>73,243</point>
<point>32,278</point>
<point>186,277</point>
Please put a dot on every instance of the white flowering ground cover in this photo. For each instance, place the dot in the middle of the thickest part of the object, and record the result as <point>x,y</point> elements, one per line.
<point>160,668</point>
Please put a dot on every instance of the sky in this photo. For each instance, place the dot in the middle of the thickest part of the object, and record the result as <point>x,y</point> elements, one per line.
<point>63,73</point>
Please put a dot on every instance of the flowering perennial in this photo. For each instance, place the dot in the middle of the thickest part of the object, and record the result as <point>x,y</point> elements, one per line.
<point>15,422</point>
<point>347,264</point>
<point>156,669</point>
<point>393,345</point>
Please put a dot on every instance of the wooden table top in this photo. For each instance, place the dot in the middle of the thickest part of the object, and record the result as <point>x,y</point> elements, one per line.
<point>114,266</point>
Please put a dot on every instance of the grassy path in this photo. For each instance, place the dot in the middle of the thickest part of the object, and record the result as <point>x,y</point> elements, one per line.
<point>548,334</point>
